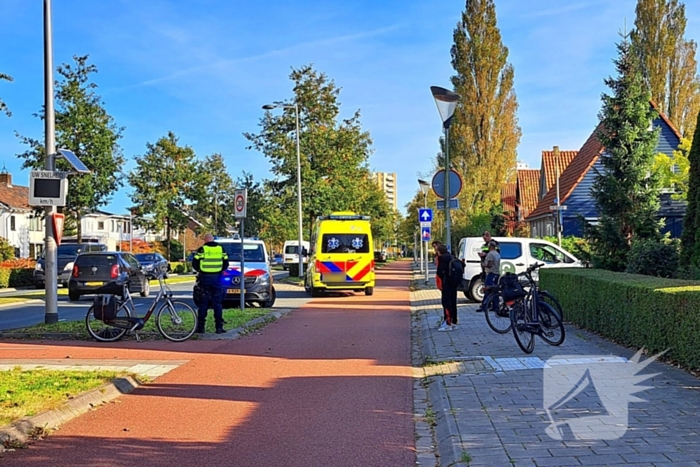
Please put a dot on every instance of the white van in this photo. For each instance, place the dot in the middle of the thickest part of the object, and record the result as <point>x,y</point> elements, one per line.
<point>291,252</point>
<point>517,254</point>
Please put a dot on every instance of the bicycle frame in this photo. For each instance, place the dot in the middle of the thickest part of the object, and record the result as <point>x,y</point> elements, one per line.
<point>127,302</point>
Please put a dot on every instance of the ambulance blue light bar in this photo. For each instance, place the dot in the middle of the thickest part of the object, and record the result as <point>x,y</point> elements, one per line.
<point>345,217</point>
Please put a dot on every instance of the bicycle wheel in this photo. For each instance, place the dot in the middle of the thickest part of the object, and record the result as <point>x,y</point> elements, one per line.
<point>552,301</point>
<point>176,321</point>
<point>520,317</point>
<point>551,325</point>
<point>104,332</point>
<point>497,314</point>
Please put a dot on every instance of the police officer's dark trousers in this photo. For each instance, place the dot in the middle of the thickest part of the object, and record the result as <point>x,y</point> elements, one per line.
<point>212,296</point>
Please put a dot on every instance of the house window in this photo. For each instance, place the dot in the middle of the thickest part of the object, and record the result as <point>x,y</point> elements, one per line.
<point>548,230</point>
<point>534,231</point>
<point>12,223</point>
<point>35,224</point>
<point>100,225</point>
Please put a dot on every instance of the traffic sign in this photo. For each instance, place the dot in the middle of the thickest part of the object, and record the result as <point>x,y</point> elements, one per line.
<point>439,183</point>
<point>425,215</point>
<point>454,204</point>
<point>426,224</point>
<point>240,198</point>
<point>425,234</point>
<point>57,220</point>
<point>47,188</point>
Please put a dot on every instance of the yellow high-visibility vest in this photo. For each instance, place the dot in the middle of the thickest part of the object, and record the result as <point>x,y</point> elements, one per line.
<point>211,259</point>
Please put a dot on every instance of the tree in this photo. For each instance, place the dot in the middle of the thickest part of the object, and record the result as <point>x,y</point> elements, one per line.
<point>484,133</point>
<point>255,218</point>
<point>690,237</point>
<point>214,196</point>
<point>3,106</point>
<point>165,181</point>
<point>83,126</point>
<point>673,171</point>
<point>667,60</point>
<point>334,156</point>
<point>626,190</point>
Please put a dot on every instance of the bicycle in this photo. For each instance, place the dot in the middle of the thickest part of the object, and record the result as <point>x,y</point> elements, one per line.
<point>175,320</point>
<point>532,316</point>
<point>497,314</point>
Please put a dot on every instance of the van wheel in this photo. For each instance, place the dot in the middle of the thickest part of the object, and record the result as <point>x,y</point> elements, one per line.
<point>476,290</point>
<point>73,295</point>
<point>271,301</point>
<point>369,291</point>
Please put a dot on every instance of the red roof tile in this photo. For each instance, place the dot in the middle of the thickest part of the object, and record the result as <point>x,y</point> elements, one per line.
<point>508,197</point>
<point>16,197</point>
<point>572,175</point>
<point>549,165</point>
<point>527,190</point>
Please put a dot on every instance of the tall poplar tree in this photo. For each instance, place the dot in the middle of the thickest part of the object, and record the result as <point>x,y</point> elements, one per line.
<point>484,133</point>
<point>626,190</point>
<point>667,60</point>
<point>690,237</point>
<point>3,106</point>
<point>83,126</point>
<point>164,182</point>
<point>213,205</point>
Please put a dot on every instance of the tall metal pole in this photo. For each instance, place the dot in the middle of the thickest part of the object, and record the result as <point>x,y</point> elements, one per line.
<point>422,258</point>
<point>242,267</point>
<point>51,272</point>
<point>301,237</point>
<point>448,220</point>
<point>556,163</point>
<point>427,263</point>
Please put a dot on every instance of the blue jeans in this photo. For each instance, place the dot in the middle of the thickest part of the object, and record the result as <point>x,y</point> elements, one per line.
<point>491,282</point>
<point>211,295</point>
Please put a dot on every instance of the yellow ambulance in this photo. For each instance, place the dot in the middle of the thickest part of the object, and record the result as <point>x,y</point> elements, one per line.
<point>341,256</point>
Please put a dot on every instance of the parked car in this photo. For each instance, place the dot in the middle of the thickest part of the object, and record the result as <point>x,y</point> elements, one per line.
<point>517,254</point>
<point>379,257</point>
<point>277,260</point>
<point>103,273</point>
<point>65,258</point>
<point>154,264</point>
<point>258,278</point>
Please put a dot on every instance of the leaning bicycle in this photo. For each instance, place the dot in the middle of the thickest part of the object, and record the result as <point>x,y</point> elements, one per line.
<point>111,317</point>
<point>530,316</point>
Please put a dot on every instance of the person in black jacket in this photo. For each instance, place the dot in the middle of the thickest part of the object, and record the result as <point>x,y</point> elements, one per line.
<point>449,290</point>
<point>210,261</point>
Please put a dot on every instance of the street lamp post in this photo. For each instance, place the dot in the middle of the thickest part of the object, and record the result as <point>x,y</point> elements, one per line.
<point>446,102</point>
<point>301,244</point>
<point>424,187</point>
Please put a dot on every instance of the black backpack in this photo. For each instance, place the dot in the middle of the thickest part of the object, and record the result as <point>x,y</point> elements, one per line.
<point>455,272</point>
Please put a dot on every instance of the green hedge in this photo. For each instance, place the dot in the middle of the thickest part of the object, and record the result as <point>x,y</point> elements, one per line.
<point>178,267</point>
<point>634,310</point>
<point>16,277</point>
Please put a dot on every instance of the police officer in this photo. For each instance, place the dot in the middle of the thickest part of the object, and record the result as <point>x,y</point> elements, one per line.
<point>209,261</point>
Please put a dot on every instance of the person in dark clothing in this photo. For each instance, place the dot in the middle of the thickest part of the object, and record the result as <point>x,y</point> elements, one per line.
<point>449,290</point>
<point>210,261</point>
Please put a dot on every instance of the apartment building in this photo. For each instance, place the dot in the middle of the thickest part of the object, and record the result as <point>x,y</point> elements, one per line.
<point>387,182</point>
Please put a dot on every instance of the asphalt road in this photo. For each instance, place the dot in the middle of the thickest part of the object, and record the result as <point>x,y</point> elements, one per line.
<point>21,315</point>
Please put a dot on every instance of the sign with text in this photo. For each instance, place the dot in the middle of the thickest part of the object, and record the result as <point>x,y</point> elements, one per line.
<point>47,188</point>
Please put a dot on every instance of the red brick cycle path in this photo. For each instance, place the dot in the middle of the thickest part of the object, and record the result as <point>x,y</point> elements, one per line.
<point>328,385</point>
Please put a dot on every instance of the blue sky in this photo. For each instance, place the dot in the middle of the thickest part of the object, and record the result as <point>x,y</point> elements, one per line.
<point>203,70</point>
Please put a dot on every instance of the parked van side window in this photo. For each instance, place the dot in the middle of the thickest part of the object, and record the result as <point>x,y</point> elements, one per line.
<point>548,254</point>
<point>511,250</point>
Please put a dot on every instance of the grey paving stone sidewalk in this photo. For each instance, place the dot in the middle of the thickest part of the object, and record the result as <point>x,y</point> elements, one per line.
<point>489,398</point>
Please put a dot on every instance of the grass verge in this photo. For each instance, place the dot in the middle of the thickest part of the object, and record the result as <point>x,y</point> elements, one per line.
<point>29,393</point>
<point>233,318</point>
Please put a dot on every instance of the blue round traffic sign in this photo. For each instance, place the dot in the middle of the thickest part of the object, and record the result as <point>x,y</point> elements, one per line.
<point>439,184</point>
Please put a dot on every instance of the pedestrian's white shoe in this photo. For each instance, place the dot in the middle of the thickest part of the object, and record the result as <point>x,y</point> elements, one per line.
<point>444,327</point>
<point>454,326</point>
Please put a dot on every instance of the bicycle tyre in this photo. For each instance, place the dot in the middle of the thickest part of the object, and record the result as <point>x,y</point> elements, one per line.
<point>101,331</point>
<point>499,319</point>
<point>176,321</point>
<point>552,301</point>
<point>520,317</point>
<point>550,321</point>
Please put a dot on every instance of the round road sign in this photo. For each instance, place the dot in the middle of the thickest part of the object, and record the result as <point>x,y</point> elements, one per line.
<point>240,204</point>
<point>439,183</point>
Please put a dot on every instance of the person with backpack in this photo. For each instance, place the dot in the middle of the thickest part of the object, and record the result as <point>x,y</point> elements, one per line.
<point>492,267</point>
<point>450,271</point>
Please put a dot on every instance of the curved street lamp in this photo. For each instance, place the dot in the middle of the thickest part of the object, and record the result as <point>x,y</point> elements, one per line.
<point>301,238</point>
<point>446,102</point>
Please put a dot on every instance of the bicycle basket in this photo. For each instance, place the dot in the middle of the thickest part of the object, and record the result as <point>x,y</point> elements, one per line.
<point>511,288</point>
<point>105,307</point>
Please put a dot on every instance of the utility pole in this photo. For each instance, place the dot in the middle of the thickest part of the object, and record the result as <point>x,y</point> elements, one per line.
<point>556,163</point>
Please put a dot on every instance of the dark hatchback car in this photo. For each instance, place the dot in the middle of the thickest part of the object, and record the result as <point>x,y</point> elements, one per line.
<point>98,273</point>
<point>65,257</point>
<point>154,264</point>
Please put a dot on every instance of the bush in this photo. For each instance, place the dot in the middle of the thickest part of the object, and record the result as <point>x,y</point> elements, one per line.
<point>634,310</point>
<point>5,278</point>
<point>653,258</point>
<point>180,267</point>
<point>7,251</point>
<point>577,246</point>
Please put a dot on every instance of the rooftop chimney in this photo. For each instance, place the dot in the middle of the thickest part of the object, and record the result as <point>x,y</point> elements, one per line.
<point>6,178</point>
